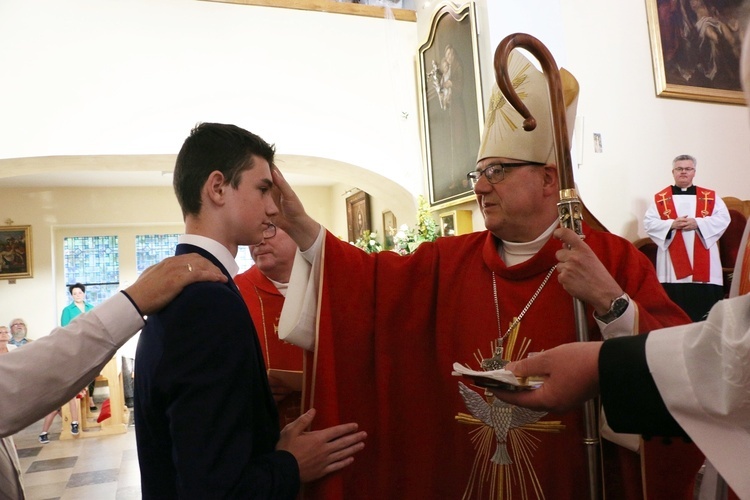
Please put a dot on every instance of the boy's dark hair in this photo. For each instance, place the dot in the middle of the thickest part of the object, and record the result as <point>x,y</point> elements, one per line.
<point>214,146</point>
<point>76,285</point>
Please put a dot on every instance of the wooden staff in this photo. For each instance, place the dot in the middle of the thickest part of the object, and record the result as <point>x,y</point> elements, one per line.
<point>569,207</point>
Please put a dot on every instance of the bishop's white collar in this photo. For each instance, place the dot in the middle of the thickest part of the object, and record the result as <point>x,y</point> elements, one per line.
<point>516,253</point>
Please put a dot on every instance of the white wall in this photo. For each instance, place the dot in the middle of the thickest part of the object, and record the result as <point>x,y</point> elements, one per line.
<point>112,77</point>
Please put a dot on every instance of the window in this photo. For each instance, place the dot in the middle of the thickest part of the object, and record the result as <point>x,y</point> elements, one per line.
<point>244,260</point>
<point>151,249</point>
<point>94,262</point>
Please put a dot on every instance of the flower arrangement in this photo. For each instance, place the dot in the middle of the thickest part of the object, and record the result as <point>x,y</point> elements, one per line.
<point>368,242</point>
<point>407,240</point>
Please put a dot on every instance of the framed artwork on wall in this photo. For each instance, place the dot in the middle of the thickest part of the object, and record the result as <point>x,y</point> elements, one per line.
<point>451,104</point>
<point>390,226</point>
<point>358,215</point>
<point>695,47</point>
<point>455,222</point>
<point>15,252</point>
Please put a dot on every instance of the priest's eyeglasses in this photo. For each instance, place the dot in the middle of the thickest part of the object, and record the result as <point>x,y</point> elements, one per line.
<point>684,169</point>
<point>496,172</point>
<point>269,231</point>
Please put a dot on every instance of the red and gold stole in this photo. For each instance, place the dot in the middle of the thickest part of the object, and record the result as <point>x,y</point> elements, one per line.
<point>701,268</point>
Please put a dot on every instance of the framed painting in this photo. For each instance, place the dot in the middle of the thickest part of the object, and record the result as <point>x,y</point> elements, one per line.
<point>451,104</point>
<point>390,227</point>
<point>695,47</point>
<point>358,215</point>
<point>455,222</point>
<point>15,252</point>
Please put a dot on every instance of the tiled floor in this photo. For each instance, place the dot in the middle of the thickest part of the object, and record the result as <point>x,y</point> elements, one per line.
<point>78,469</point>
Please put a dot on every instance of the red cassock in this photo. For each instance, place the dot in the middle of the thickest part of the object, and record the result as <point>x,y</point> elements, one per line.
<point>264,301</point>
<point>390,329</point>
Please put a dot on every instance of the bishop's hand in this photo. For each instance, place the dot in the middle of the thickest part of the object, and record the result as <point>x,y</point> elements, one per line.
<point>581,273</point>
<point>292,217</point>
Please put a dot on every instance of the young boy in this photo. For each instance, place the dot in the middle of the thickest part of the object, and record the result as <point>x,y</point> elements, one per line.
<point>206,421</point>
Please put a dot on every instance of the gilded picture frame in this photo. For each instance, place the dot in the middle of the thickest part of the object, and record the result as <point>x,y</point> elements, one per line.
<point>695,52</point>
<point>451,107</point>
<point>15,252</point>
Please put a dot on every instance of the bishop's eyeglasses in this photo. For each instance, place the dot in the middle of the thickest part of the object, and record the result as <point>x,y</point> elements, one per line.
<point>683,169</point>
<point>496,172</point>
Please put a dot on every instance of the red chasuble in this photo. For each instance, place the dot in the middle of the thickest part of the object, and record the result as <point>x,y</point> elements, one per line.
<point>390,329</point>
<point>264,302</point>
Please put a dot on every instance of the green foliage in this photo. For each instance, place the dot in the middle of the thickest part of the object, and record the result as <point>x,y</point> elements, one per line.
<point>406,240</point>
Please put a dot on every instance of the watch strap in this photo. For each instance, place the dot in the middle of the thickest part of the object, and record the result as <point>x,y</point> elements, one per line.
<point>617,307</point>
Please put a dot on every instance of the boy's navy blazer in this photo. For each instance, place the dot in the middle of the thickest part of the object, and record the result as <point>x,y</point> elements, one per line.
<point>206,421</point>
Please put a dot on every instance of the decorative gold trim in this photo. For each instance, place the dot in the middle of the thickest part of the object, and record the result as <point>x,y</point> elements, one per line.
<point>331,6</point>
<point>265,329</point>
<point>568,194</point>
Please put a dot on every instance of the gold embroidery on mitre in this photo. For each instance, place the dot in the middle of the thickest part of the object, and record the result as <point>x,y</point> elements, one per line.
<point>498,101</point>
<point>504,438</point>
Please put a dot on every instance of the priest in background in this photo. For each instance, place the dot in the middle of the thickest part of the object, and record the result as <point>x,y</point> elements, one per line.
<point>263,287</point>
<point>686,221</point>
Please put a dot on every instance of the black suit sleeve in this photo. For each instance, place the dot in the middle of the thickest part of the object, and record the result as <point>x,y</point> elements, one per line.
<point>631,400</point>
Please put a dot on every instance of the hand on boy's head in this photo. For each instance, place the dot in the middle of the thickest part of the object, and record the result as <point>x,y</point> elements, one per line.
<point>289,205</point>
<point>292,217</point>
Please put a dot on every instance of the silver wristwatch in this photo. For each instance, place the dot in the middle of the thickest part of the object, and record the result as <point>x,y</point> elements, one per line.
<point>616,309</point>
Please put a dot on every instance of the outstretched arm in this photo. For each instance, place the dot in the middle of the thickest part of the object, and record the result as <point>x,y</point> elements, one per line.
<point>160,283</point>
<point>569,372</point>
<point>574,373</point>
<point>42,375</point>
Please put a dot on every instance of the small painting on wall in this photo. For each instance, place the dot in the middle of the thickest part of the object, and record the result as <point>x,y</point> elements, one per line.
<point>15,252</point>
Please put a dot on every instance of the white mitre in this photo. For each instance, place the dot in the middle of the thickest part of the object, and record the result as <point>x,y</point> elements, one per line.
<point>504,136</point>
